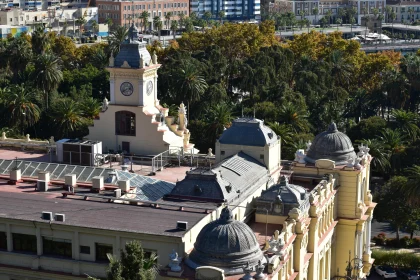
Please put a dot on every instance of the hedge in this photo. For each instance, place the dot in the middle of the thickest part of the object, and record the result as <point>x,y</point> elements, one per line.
<point>396,259</point>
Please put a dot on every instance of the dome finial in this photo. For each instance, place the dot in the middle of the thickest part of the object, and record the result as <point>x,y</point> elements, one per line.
<point>226,215</point>
<point>332,127</point>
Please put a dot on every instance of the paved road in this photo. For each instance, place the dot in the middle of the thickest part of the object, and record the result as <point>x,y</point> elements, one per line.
<point>378,227</point>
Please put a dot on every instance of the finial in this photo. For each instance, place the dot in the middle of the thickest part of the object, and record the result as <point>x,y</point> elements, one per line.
<point>111,60</point>
<point>154,57</point>
<point>332,127</point>
<point>254,113</point>
<point>141,62</point>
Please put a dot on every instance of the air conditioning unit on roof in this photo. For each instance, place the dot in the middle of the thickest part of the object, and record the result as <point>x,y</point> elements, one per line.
<point>60,217</point>
<point>42,186</point>
<point>47,215</point>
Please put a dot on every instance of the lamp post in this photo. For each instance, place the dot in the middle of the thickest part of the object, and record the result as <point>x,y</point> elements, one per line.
<point>354,264</point>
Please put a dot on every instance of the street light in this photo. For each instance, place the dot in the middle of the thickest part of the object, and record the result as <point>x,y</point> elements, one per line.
<point>354,264</point>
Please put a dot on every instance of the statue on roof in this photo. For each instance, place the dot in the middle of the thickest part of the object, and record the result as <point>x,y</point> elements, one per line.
<point>133,34</point>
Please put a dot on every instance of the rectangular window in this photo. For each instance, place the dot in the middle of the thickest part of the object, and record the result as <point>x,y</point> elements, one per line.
<point>125,8</point>
<point>164,6</point>
<point>85,250</point>
<point>148,6</point>
<point>56,247</point>
<point>261,156</point>
<point>159,6</point>
<point>101,250</point>
<point>154,6</point>
<point>3,241</point>
<point>222,153</point>
<point>24,243</point>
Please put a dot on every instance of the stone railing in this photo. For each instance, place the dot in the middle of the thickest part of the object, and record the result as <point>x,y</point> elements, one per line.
<point>26,143</point>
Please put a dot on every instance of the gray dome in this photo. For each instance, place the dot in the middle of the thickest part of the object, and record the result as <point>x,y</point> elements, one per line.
<point>227,244</point>
<point>131,51</point>
<point>333,145</point>
<point>248,132</point>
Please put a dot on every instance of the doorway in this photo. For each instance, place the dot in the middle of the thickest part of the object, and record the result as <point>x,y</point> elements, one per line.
<point>126,147</point>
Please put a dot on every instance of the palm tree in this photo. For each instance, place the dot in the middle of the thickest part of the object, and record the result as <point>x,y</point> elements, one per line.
<point>95,26</point>
<point>381,17</point>
<point>17,55</point>
<point>191,85</point>
<point>145,19</point>
<point>329,15</point>
<point>394,142</point>
<point>341,14</point>
<point>156,19</point>
<point>159,26</point>
<point>407,122</point>
<point>388,10</point>
<point>167,19</point>
<point>181,17</point>
<point>109,23</point>
<point>174,28</point>
<point>315,11</point>
<point>338,21</point>
<point>40,40</point>
<point>207,16</point>
<point>91,108</point>
<point>284,131</point>
<point>80,21</point>
<point>48,75</point>
<point>380,155</point>
<point>295,116</point>
<point>341,70</point>
<point>219,118</point>
<point>352,21</point>
<point>221,15</point>
<point>117,37</point>
<point>20,104</point>
<point>67,117</point>
<point>413,187</point>
<point>393,16</point>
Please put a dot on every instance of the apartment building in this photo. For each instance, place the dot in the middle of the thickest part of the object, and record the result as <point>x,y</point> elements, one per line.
<point>123,12</point>
<point>405,10</point>
<point>234,9</point>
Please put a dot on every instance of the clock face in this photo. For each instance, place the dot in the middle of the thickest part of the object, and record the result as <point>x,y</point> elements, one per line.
<point>126,88</point>
<point>149,88</point>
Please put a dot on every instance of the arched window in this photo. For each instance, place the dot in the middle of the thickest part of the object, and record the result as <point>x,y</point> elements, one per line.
<point>125,123</point>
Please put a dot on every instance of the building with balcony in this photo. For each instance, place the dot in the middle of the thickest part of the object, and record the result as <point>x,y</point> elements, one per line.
<point>234,9</point>
<point>126,12</point>
<point>406,11</point>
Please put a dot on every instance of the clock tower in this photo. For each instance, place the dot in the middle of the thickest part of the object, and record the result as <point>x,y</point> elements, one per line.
<point>133,121</point>
<point>133,74</point>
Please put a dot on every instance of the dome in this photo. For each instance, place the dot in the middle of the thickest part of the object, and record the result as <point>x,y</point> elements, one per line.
<point>333,145</point>
<point>248,132</point>
<point>131,51</point>
<point>227,244</point>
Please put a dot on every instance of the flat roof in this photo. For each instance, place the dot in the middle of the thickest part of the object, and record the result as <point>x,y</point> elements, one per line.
<point>22,202</point>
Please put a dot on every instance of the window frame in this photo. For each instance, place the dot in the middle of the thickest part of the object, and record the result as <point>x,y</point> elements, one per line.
<point>123,128</point>
<point>100,251</point>
<point>24,248</point>
<point>57,247</point>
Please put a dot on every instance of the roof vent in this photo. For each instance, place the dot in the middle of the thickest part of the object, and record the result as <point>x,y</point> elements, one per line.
<point>60,217</point>
<point>42,186</point>
<point>47,215</point>
<point>182,225</point>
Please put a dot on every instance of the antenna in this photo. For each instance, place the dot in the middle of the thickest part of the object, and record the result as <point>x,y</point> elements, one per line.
<point>242,110</point>
<point>254,112</point>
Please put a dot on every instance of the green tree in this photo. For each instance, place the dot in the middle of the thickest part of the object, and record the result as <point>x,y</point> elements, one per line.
<point>81,21</point>
<point>117,37</point>
<point>394,143</point>
<point>315,12</point>
<point>338,21</point>
<point>168,19</point>
<point>48,74</point>
<point>67,117</point>
<point>219,118</point>
<point>109,23</point>
<point>181,18</point>
<point>95,26</point>
<point>145,20</point>
<point>39,40</point>
<point>407,122</point>
<point>133,264</point>
<point>20,103</point>
<point>174,28</point>
<point>190,83</point>
<point>221,16</point>
<point>91,108</point>
<point>295,116</point>
<point>207,16</point>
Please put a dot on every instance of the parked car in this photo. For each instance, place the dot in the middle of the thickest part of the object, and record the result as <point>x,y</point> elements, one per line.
<point>385,271</point>
<point>408,274</point>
